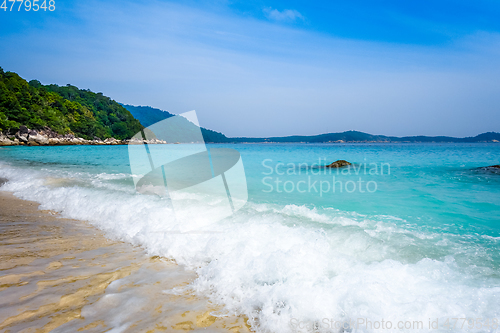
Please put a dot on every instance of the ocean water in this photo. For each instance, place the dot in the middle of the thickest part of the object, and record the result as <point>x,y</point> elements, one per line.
<point>408,235</point>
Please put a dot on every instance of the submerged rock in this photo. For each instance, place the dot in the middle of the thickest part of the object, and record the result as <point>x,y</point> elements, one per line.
<point>338,164</point>
<point>495,166</point>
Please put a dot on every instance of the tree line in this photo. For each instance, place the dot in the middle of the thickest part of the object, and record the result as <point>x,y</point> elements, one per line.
<point>65,109</point>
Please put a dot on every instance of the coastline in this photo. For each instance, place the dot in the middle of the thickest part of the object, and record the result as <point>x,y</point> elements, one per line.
<point>47,137</point>
<point>127,142</point>
<point>65,275</point>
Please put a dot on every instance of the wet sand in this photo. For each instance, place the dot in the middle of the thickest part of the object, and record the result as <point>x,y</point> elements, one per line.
<point>63,275</point>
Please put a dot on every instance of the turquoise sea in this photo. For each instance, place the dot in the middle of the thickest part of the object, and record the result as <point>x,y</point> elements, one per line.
<point>409,233</point>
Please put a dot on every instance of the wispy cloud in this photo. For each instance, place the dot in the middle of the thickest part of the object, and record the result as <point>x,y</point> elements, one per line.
<point>284,15</point>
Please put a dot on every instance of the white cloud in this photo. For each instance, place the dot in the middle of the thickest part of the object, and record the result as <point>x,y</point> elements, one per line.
<point>285,15</point>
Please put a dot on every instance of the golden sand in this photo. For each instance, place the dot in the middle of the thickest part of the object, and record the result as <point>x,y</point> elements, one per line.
<point>63,275</point>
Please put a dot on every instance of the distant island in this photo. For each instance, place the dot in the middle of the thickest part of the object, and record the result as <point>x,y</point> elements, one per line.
<point>148,116</point>
<point>355,136</point>
<point>70,115</point>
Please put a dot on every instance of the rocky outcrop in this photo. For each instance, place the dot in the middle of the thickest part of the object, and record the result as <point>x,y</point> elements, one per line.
<point>35,138</point>
<point>338,164</point>
<point>5,141</point>
<point>135,141</point>
<point>495,166</point>
<point>22,134</point>
<point>23,130</point>
<point>47,137</point>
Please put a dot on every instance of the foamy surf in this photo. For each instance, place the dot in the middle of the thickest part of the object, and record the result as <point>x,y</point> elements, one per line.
<point>290,268</point>
<point>61,275</point>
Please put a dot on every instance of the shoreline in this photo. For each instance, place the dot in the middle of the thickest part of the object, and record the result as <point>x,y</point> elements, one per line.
<point>52,142</point>
<point>47,137</point>
<point>65,275</point>
<point>125,143</point>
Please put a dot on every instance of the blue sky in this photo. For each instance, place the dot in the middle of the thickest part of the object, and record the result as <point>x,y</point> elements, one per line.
<point>265,68</point>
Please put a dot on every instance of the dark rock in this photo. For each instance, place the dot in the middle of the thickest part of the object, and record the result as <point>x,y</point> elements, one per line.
<point>491,169</point>
<point>23,130</point>
<point>33,132</point>
<point>11,132</point>
<point>338,164</point>
<point>48,132</point>
<point>22,137</point>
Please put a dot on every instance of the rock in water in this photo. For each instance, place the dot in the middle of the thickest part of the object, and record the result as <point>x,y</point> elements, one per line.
<point>338,164</point>
<point>491,169</point>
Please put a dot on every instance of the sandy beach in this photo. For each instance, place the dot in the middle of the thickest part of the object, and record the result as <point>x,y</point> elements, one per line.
<point>64,275</point>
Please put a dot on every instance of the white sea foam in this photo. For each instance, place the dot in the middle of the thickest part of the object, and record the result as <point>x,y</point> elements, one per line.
<point>284,265</point>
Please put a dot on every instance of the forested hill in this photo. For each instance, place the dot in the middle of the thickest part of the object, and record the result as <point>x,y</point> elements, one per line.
<point>65,109</point>
<point>148,116</point>
<point>355,136</point>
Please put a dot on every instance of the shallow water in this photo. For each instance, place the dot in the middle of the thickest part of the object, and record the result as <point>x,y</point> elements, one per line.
<point>411,232</point>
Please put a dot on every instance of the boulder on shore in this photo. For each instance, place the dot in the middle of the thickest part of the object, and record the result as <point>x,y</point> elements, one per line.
<point>22,137</point>
<point>5,141</point>
<point>37,139</point>
<point>23,130</point>
<point>48,137</point>
<point>338,164</point>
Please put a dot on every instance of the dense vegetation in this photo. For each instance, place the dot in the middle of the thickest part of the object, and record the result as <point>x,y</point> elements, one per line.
<point>66,110</point>
<point>148,116</point>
